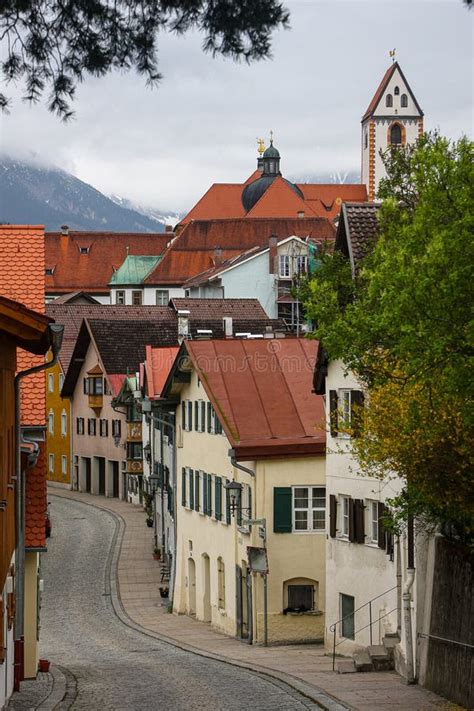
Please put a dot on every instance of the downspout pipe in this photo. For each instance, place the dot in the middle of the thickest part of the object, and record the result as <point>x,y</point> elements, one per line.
<point>235,464</point>
<point>406,602</point>
<point>55,332</point>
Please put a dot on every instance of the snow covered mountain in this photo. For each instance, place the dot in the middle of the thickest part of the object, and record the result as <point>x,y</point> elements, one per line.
<point>172,218</point>
<point>49,196</point>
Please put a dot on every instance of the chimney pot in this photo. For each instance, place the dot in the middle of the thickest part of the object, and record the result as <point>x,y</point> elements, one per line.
<point>217,256</point>
<point>64,229</point>
<point>228,326</point>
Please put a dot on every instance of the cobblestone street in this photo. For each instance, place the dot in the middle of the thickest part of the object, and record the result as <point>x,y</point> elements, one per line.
<point>116,667</point>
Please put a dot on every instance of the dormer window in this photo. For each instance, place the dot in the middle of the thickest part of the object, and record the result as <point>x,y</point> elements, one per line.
<point>389,100</point>
<point>49,271</point>
<point>84,250</point>
<point>404,101</point>
<point>396,91</point>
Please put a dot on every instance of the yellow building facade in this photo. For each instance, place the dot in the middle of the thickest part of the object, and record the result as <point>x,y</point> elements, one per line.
<point>58,429</point>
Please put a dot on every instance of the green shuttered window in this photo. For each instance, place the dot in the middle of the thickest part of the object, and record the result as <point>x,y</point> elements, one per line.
<point>218,498</point>
<point>183,486</point>
<point>282,509</point>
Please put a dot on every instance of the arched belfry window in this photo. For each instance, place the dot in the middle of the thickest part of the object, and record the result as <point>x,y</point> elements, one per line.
<point>389,100</point>
<point>404,101</point>
<point>396,134</point>
<point>396,91</point>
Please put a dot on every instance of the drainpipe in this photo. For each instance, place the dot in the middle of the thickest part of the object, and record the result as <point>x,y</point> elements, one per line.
<point>55,333</point>
<point>235,464</point>
<point>406,598</point>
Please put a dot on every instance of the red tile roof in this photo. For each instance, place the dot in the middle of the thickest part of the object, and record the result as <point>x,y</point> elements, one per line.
<point>22,279</point>
<point>36,502</point>
<point>224,201</point>
<point>265,400</point>
<point>158,363</point>
<point>213,309</point>
<point>192,252</point>
<point>73,271</point>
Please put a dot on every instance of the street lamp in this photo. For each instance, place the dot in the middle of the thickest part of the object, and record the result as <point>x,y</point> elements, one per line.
<point>147,452</point>
<point>234,488</point>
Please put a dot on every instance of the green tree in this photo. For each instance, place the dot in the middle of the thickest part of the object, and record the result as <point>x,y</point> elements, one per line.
<point>404,326</point>
<point>54,44</point>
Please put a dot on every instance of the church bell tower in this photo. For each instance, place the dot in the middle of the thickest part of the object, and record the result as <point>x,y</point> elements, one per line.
<point>393,117</point>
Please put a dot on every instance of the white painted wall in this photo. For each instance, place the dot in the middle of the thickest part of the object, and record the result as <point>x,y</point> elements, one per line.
<point>148,294</point>
<point>361,570</point>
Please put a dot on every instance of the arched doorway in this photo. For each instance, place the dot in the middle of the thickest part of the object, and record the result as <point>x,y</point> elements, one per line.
<point>206,571</point>
<point>191,587</point>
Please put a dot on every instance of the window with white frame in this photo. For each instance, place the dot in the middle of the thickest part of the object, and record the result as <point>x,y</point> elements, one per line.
<point>51,462</point>
<point>344,527</point>
<point>200,416</point>
<point>61,381</point>
<point>345,407</point>
<point>187,413</point>
<point>373,527</point>
<point>162,296</point>
<point>51,422</point>
<point>63,423</point>
<point>64,464</point>
<point>120,297</point>
<point>284,266</point>
<point>309,508</point>
<point>51,382</point>
<point>302,264</point>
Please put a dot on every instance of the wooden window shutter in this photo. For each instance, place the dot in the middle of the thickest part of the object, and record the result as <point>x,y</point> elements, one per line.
<point>191,489</point>
<point>209,494</point>
<point>228,515</point>
<point>359,520</point>
<point>333,423</point>
<point>183,486</point>
<point>202,425</point>
<point>204,493</point>
<point>218,498</point>
<point>190,415</point>
<point>357,414</point>
<point>282,518</point>
<point>183,415</point>
<point>332,515</point>
<point>196,416</point>
<point>382,532</point>
<point>197,493</point>
<point>209,416</point>
<point>352,528</point>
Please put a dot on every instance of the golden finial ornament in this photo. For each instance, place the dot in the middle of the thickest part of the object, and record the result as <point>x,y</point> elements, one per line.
<point>261,146</point>
<point>392,53</point>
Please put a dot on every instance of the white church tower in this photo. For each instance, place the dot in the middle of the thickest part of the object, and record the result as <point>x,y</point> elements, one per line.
<point>393,117</point>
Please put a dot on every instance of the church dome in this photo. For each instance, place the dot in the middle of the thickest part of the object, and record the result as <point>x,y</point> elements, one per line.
<point>271,151</point>
<point>252,193</point>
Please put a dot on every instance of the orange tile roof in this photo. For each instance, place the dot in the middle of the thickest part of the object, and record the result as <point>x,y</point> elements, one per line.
<point>192,252</point>
<point>22,279</point>
<point>265,402</point>
<point>73,271</point>
<point>278,198</point>
<point>158,363</point>
<point>220,201</point>
<point>36,502</point>
<point>326,200</point>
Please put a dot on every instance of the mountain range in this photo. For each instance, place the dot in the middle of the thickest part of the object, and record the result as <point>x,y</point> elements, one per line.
<point>34,194</point>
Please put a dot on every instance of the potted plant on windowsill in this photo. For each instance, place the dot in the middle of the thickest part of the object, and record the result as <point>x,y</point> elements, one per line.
<point>156,553</point>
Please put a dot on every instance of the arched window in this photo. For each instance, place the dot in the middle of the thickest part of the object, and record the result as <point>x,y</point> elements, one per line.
<point>396,134</point>
<point>396,91</point>
<point>404,101</point>
<point>389,100</point>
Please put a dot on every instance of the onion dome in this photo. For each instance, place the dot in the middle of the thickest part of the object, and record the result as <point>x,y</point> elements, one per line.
<point>270,165</point>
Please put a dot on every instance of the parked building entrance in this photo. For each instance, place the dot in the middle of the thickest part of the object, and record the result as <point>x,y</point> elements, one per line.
<point>115,480</point>
<point>101,470</point>
<point>88,477</point>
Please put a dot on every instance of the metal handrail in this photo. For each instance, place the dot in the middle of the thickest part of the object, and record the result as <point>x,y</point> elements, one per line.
<point>334,625</point>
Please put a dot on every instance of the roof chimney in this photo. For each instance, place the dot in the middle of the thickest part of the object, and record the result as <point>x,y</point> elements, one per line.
<point>64,229</point>
<point>217,256</point>
<point>273,254</point>
<point>168,228</point>
<point>228,326</point>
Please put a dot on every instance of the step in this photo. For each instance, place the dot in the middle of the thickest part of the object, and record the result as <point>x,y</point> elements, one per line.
<point>346,666</point>
<point>390,642</point>
<point>362,661</point>
<point>381,661</point>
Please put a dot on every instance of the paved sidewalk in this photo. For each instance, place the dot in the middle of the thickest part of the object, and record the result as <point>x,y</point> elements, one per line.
<point>305,666</point>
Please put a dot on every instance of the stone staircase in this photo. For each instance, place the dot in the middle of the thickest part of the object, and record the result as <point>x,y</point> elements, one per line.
<point>378,657</point>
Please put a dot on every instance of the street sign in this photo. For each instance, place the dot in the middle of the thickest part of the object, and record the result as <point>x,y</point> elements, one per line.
<point>258,561</point>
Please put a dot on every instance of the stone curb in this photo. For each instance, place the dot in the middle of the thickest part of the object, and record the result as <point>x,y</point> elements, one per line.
<point>318,696</point>
<point>58,691</point>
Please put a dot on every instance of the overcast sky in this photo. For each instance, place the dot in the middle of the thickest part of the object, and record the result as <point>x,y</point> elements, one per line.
<point>164,147</point>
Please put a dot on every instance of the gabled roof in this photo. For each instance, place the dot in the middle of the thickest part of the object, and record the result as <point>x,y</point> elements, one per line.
<point>192,252</point>
<point>265,401</point>
<point>357,231</point>
<point>77,297</point>
<point>381,89</point>
<point>134,269</point>
<point>158,363</point>
<point>92,271</point>
<point>279,194</point>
